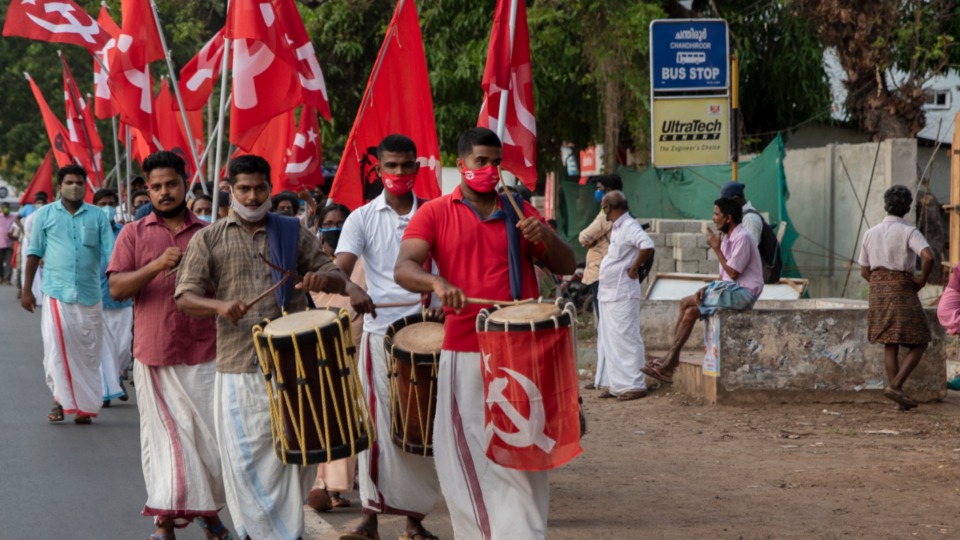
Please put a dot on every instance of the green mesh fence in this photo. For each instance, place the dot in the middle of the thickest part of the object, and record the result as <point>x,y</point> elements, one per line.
<point>687,193</point>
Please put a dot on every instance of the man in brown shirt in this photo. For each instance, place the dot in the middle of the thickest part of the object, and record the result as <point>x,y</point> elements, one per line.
<point>265,497</point>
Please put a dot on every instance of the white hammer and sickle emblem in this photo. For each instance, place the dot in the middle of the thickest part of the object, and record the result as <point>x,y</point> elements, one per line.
<point>530,431</point>
<point>75,27</point>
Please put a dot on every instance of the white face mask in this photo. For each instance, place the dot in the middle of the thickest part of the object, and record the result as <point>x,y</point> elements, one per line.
<point>248,215</point>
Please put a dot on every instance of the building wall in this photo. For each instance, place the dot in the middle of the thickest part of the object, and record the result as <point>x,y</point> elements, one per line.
<point>828,187</point>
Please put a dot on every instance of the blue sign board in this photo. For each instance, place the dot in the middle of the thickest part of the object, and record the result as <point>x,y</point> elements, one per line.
<point>689,54</point>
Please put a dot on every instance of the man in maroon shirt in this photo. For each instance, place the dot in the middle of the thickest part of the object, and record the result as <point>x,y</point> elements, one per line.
<point>468,234</point>
<point>175,369</point>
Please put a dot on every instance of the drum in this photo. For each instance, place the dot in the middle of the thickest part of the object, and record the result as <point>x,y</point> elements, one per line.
<point>317,410</point>
<point>413,354</point>
<point>530,384</point>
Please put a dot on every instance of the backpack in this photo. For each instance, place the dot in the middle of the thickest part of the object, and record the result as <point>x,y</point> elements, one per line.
<point>647,267</point>
<point>769,251</point>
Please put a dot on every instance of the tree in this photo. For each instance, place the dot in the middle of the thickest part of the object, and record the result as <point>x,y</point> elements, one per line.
<point>888,50</point>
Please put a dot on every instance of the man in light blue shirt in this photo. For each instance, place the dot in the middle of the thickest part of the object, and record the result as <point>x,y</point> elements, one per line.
<point>116,353</point>
<point>71,237</point>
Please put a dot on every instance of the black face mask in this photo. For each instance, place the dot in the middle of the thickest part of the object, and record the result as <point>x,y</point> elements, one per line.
<point>726,228</point>
<point>331,237</point>
<point>173,212</point>
<point>286,212</point>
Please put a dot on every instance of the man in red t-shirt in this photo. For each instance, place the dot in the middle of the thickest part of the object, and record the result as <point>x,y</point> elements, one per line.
<point>466,234</point>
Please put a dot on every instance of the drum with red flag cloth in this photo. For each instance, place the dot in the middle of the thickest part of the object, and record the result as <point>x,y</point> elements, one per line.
<point>530,385</point>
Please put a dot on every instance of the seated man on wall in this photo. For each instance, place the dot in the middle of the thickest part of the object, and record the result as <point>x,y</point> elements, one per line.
<point>740,284</point>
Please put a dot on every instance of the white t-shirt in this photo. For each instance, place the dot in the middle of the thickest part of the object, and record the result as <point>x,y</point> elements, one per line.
<point>627,239</point>
<point>373,232</point>
<point>892,244</point>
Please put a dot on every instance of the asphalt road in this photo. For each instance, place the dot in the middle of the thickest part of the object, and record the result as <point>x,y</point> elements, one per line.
<point>63,480</point>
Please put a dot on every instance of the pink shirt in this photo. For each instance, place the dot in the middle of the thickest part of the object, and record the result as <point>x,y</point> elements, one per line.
<point>163,336</point>
<point>892,244</point>
<point>6,221</point>
<point>948,310</point>
<point>742,255</point>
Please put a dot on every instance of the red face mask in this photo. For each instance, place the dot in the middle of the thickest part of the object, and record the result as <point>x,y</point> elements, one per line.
<point>482,180</point>
<point>398,184</point>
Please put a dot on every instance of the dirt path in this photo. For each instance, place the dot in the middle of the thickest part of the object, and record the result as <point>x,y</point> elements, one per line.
<point>664,467</point>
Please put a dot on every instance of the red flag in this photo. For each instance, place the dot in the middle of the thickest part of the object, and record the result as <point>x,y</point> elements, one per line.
<point>530,388</point>
<point>55,130</point>
<point>140,147</point>
<point>511,72</point>
<point>311,77</point>
<point>106,106</point>
<point>170,130</point>
<point>42,181</point>
<point>82,137</point>
<point>60,21</point>
<point>397,100</point>
<point>272,144</point>
<point>198,77</point>
<point>265,83</point>
<point>130,80</point>
<point>301,165</point>
<point>139,42</point>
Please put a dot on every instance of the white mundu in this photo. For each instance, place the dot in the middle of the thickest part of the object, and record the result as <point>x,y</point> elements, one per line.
<point>391,481</point>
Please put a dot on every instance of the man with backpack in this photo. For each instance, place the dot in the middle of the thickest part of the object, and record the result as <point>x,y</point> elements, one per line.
<point>758,229</point>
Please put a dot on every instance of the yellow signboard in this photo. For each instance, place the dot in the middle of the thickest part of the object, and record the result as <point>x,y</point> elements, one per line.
<point>691,131</point>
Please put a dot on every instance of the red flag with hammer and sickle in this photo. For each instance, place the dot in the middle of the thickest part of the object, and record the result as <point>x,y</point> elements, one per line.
<point>531,395</point>
<point>60,21</point>
<point>198,77</point>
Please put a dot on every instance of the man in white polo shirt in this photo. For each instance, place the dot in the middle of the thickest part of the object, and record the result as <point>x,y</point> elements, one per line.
<point>391,481</point>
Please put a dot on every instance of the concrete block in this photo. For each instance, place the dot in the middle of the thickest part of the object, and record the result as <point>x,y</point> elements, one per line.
<point>707,225</point>
<point>667,226</point>
<point>665,264</point>
<point>658,239</point>
<point>685,240</point>
<point>702,241</point>
<point>709,267</point>
<point>667,239</point>
<point>712,255</point>
<point>688,267</point>
<point>688,254</point>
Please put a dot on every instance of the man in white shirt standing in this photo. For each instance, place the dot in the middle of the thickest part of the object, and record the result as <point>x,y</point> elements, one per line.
<point>752,220</point>
<point>391,481</point>
<point>620,351</point>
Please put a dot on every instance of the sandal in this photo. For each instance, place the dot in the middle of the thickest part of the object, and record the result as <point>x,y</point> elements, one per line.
<point>419,533</point>
<point>655,372</point>
<point>360,534</point>
<point>217,532</point>
<point>82,419</point>
<point>338,501</point>
<point>56,413</point>
<point>634,394</point>
<point>898,396</point>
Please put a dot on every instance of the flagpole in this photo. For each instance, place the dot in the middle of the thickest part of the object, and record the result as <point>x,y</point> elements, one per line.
<point>129,159</point>
<point>218,159</point>
<point>116,152</point>
<point>176,91</point>
<point>72,86</point>
<point>206,151</point>
<point>505,93</point>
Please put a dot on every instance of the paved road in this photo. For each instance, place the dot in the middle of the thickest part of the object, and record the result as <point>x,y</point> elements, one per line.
<point>63,480</point>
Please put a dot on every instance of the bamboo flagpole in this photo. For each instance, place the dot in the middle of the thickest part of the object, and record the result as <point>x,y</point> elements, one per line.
<point>126,141</point>
<point>505,93</point>
<point>72,86</point>
<point>176,91</point>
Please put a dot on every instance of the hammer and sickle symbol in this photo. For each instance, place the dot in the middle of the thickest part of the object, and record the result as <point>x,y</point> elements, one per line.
<point>530,431</point>
<point>75,27</point>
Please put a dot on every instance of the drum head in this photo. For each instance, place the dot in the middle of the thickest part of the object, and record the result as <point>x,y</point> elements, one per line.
<point>296,323</point>
<point>420,338</point>
<point>524,313</point>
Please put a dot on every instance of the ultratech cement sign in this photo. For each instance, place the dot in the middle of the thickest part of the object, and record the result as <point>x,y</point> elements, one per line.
<point>691,131</point>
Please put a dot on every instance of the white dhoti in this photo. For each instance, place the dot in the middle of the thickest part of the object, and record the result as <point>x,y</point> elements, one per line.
<point>620,351</point>
<point>391,481</point>
<point>115,352</point>
<point>181,459</point>
<point>72,336</point>
<point>486,501</point>
<point>265,497</point>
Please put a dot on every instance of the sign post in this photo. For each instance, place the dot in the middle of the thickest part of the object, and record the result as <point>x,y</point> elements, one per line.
<point>690,92</point>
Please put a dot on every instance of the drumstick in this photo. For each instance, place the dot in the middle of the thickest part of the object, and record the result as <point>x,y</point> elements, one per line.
<point>171,271</point>
<point>499,302</point>
<point>266,292</point>
<point>509,198</point>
